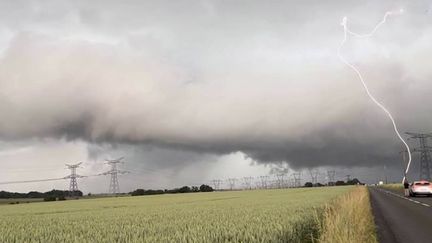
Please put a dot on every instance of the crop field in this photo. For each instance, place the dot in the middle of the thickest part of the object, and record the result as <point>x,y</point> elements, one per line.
<point>284,215</point>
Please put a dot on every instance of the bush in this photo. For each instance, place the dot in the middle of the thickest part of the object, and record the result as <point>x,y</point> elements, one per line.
<point>308,184</point>
<point>205,188</point>
<point>49,199</point>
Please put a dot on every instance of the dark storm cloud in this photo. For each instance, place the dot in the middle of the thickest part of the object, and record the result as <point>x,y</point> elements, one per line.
<point>215,78</point>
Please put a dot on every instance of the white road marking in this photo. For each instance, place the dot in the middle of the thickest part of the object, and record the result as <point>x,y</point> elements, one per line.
<point>406,198</point>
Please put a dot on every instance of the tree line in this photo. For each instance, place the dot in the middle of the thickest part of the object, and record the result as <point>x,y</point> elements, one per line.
<point>49,196</point>
<point>184,189</point>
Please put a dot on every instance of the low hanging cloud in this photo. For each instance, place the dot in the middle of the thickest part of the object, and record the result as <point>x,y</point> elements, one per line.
<point>264,82</point>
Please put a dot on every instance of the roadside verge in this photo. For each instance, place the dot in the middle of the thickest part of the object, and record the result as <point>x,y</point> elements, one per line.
<point>349,219</point>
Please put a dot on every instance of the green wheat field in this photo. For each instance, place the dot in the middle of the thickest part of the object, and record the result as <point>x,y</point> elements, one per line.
<point>279,215</point>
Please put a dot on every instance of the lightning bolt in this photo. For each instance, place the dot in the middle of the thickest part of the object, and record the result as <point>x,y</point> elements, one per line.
<point>347,32</point>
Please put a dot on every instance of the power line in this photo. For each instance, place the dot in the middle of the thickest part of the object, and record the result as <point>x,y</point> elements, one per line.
<point>30,181</point>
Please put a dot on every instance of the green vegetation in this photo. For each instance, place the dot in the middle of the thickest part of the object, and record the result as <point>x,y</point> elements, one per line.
<point>285,215</point>
<point>397,187</point>
<point>349,219</point>
<point>19,200</point>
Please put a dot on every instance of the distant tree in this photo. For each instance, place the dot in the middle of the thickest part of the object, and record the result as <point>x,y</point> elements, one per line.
<point>194,189</point>
<point>354,181</point>
<point>308,184</point>
<point>138,192</point>
<point>318,184</point>
<point>205,188</point>
<point>49,199</point>
<point>184,189</point>
<point>340,183</point>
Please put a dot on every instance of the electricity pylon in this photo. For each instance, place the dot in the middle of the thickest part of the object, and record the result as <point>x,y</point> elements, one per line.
<point>248,182</point>
<point>297,179</point>
<point>330,177</point>
<point>73,185</point>
<point>216,184</point>
<point>232,182</point>
<point>114,187</point>
<point>280,180</point>
<point>314,176</point>
<point>425,156</point>
<point>264,181</point>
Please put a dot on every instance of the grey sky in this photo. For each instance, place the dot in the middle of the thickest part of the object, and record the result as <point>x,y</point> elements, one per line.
<point>184,87</point>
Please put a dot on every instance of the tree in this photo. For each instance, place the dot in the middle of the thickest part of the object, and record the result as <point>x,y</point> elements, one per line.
<point>205,188</point>
<point>308,184</point>
<point>340,183</point>
<point>354,181</point>
<point>184,189</point>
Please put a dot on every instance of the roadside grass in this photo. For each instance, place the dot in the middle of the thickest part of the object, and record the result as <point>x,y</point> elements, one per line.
<point>396,187</point>
<point>349,219</point>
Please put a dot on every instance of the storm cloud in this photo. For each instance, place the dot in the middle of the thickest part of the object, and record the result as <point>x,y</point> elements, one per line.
<point>207,78</point>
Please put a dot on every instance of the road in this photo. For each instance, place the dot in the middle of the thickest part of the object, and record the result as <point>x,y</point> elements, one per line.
<point>401,219</point>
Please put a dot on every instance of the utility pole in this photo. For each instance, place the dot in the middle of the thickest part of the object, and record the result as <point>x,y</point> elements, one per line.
<point>331,176</point>
<point>114,187</point>
<point>232,182</point>
<point>73,185</point>
<point>425,156</point>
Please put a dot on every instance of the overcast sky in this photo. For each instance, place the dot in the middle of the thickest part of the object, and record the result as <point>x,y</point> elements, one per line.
<point>189,91</point>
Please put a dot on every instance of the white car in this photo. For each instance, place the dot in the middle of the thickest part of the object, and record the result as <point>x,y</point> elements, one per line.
<point>420,188</point>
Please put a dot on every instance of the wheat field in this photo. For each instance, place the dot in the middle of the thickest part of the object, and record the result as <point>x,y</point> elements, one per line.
<point>280,215</point>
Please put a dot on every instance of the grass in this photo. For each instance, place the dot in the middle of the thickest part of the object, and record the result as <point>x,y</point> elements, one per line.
<point>349,219</point>
<point>397,187</point>
<point>19,200</point>
<point>285,215</point>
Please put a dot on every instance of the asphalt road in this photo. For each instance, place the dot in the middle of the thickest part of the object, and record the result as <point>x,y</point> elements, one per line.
<point>401,219</point>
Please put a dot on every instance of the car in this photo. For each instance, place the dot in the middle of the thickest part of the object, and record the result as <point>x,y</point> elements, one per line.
<point>422,187</point>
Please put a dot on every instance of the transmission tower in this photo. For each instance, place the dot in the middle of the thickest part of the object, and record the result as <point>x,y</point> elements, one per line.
<point>348,178</point>
<point>425,156</point>
<point>297,179</point>
<point>216,184</point>
<point>280,180</point>
<point>114,187</point>
<point>330,177</point>
<point>73,185</point>
<point>314,176</point>
<point>248,182</point>
<point>264,181</point>
<point>232,182</point>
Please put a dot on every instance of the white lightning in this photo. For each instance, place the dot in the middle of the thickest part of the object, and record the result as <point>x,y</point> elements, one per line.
<point>346,32</point>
